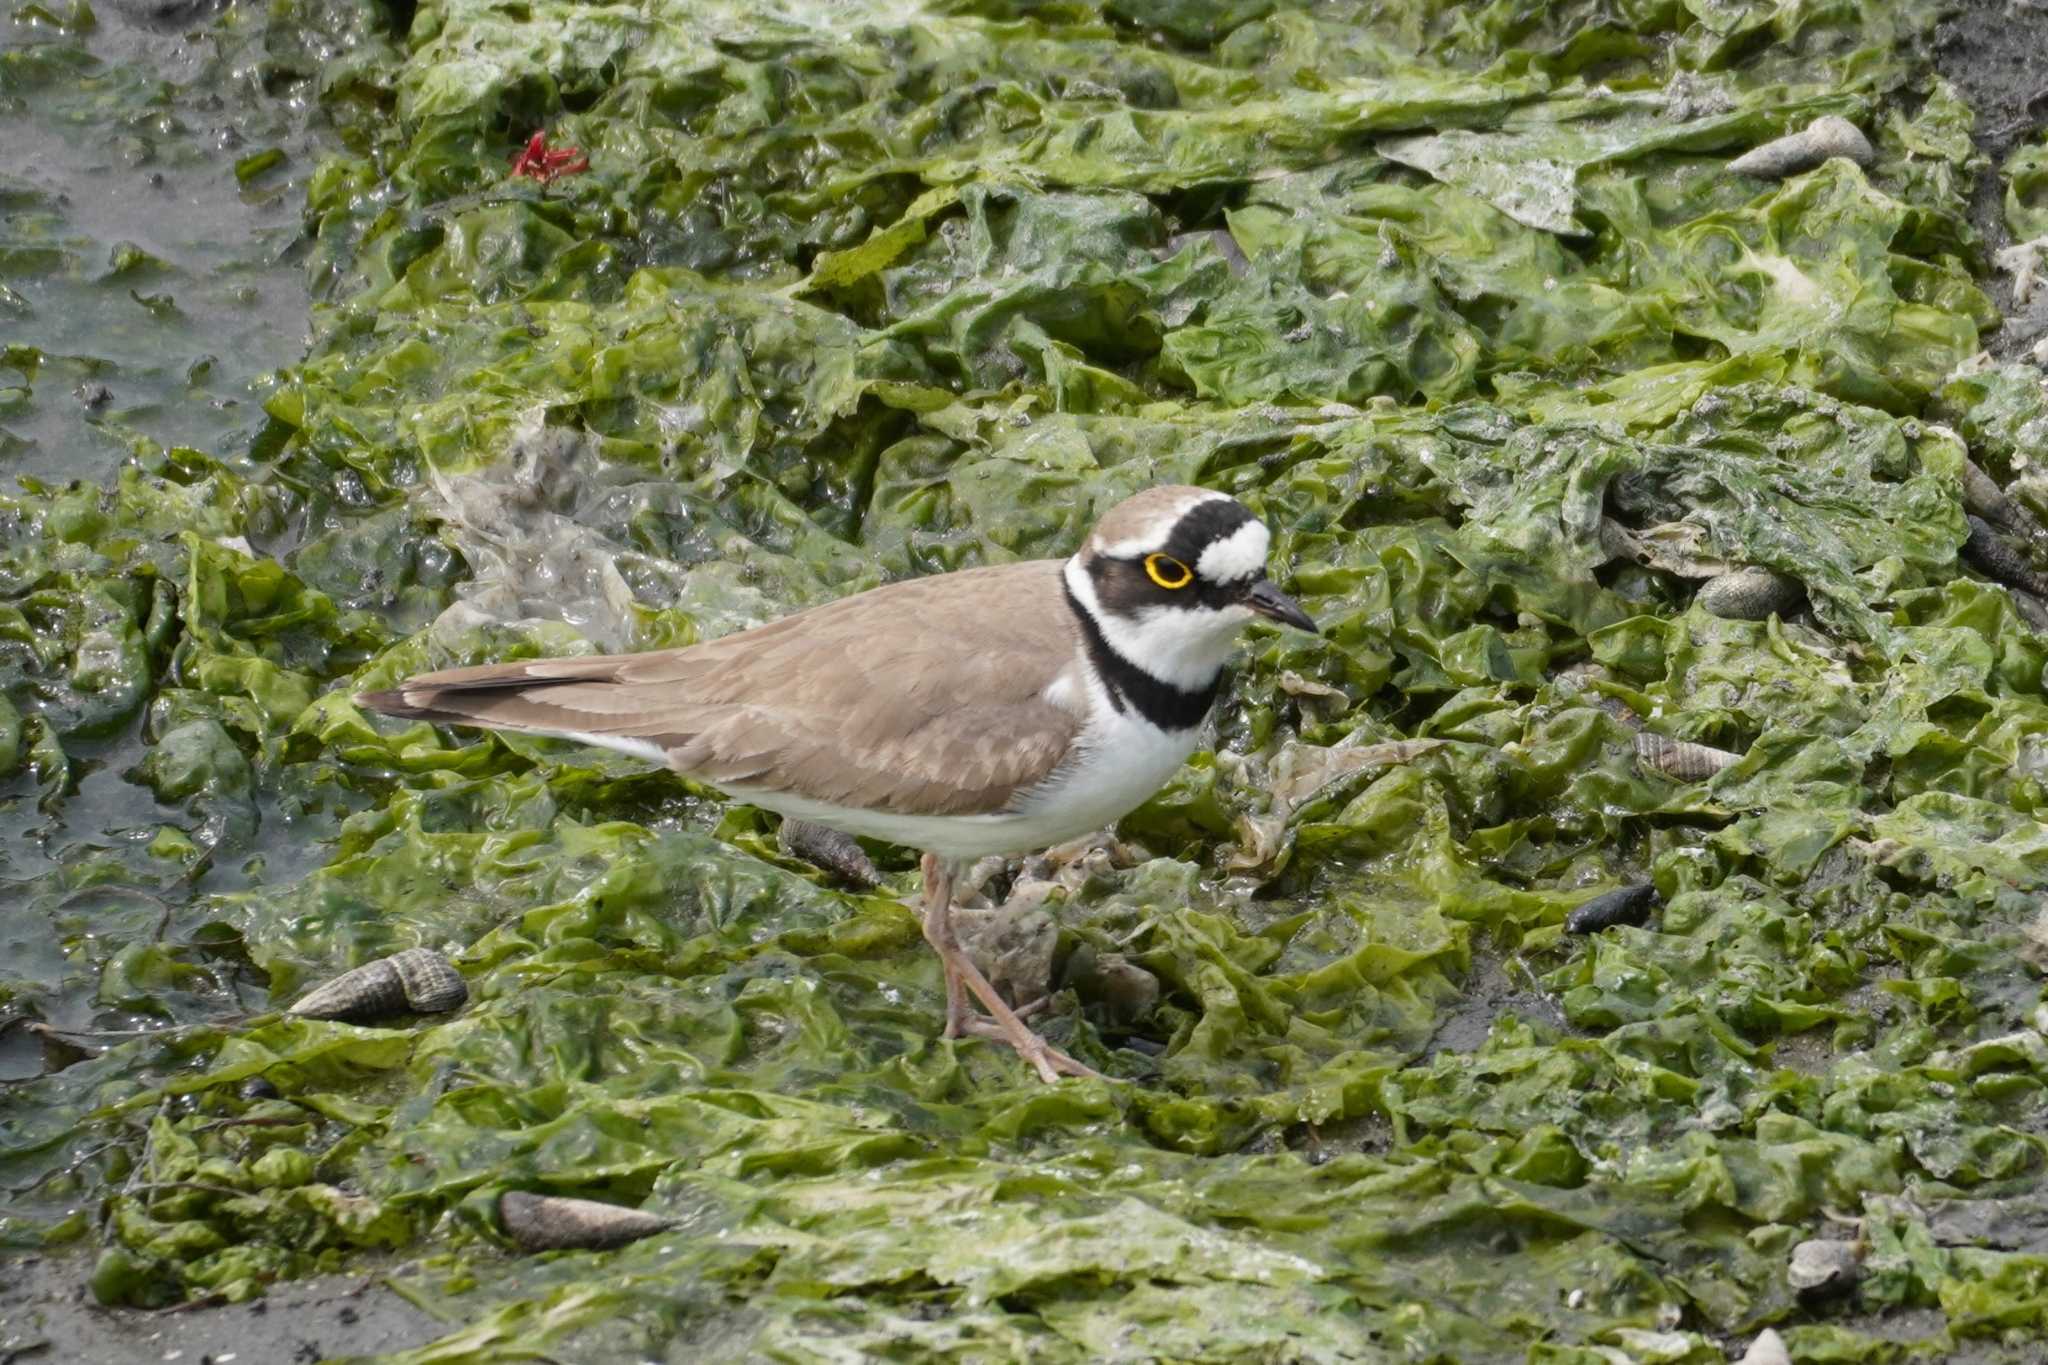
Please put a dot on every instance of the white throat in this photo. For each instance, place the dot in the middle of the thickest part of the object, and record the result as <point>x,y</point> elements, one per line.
<point>1183,646</point>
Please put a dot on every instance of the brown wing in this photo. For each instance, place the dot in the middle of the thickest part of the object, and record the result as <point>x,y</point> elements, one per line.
<point>922,698</point>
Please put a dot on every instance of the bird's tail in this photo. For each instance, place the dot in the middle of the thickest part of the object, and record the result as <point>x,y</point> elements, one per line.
<point>582,699</point>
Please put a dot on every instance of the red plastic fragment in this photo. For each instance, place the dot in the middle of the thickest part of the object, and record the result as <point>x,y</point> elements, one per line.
<point>537,161</point>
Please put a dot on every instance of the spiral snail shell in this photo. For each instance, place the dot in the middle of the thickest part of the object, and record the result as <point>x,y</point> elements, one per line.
<point>418,980</point>
<point>551,1222</point>
<point>827,848</point>
<point>1682,759</point>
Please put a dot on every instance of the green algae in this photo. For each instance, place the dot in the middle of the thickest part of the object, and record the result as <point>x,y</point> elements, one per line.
<point>1453,297</point>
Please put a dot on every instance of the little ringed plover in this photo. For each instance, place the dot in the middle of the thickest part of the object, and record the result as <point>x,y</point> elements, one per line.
<point>994,710</point>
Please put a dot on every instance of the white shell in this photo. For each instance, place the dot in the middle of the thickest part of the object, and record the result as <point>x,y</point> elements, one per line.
<point>1682,759</point>
<point>1823,1267</point>
<point>1825,137</point>
<point>1767,1349</point>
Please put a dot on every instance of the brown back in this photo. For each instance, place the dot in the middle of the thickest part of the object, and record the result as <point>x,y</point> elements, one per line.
<point>923,697</point>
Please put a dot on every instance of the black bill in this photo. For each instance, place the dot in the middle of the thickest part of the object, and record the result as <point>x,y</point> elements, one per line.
<point>1267,600</point>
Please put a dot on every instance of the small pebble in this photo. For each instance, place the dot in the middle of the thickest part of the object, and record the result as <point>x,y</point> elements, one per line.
<point>1126,989</point>
<point>1750,595</point>
<point>1628,905</point>
<point>1767,1349</point>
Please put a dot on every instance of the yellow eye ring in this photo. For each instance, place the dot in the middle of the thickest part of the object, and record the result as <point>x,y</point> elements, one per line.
<point>1167,571</point>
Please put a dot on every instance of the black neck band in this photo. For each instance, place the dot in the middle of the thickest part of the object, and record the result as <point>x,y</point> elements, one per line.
<point>1167,706</point>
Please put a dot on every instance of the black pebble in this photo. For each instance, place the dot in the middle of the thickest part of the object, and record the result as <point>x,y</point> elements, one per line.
<point>256,1088</point>
<point>1629,905</point>
<point>2000,560</point>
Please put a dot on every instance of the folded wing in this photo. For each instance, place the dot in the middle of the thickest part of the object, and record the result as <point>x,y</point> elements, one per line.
<point>925,697</point>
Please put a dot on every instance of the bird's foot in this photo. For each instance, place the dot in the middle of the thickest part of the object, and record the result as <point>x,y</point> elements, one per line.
<point>963,978</point>
<point>1049,1061</point>
<point>963,1022</point>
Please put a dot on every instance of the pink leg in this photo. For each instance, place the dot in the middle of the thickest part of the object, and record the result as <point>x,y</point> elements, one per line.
<point>938,931</point>
<point>1003,1025</point>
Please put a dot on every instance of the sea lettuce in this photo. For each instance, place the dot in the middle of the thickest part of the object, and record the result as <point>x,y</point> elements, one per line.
<point>1465,303</point>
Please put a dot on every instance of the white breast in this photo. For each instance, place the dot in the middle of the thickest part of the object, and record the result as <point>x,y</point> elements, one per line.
<point>1120,759</point>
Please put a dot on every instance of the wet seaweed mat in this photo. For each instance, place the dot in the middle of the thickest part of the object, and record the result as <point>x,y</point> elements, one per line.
<point>1635,493</point>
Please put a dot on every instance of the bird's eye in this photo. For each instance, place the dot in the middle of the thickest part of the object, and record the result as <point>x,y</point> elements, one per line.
<point>1168,572</point>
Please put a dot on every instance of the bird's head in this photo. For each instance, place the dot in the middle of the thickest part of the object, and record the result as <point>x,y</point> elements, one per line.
<point>1172,574</point>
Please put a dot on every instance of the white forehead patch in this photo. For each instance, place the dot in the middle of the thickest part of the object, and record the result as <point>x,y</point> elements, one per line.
<point>1241,554</point>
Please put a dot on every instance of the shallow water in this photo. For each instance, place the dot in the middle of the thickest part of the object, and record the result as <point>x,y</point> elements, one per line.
<point>838,302</point>
<point>123,138</point>
<point>154,293</point>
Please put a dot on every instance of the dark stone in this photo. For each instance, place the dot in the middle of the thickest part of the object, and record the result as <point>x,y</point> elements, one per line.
<point>1629,905</point>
